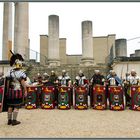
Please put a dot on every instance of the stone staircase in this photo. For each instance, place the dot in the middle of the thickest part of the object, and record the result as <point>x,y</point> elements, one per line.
<point>33,68</point>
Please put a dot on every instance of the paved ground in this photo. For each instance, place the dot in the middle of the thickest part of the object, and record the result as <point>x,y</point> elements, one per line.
<point>72,123</point>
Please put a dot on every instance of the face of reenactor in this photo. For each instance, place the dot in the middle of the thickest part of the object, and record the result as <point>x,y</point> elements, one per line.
<point>52,73</point>
<point>97,72</point>
<point>133,73</point>
<point>39,79</point>
<point>18,64</point>
<point>45,76</point>
<point>63,72</point>
<point>113,73</point>
<point>80,73</point>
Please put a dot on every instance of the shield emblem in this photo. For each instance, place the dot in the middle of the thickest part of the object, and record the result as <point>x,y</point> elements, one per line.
<point>47,98</point>
<point>116,100</point>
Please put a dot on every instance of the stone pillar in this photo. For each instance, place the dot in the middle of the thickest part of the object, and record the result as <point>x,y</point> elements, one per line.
<point>21,29</point>
<point>121,47</point>
<point>7,31</point>
<point>43,49</point>
<point>53,41</point>
<point>87,43</point>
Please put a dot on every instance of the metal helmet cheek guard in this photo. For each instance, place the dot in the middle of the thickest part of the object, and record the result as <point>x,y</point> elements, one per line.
<point>18,63</point>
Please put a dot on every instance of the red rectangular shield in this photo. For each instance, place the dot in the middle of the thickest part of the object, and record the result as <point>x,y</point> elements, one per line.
<point>99,100</point>
<point>64,98</point>
<point>31,98</point>
<point>48,97</point>
<point>135,97</point>
<point>116,100</point>
<point>81,98</point>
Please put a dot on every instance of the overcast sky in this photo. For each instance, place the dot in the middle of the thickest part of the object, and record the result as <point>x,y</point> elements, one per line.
<point>119,18</point>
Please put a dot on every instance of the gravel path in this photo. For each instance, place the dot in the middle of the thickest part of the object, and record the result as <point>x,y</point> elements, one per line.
<point>72,123</point>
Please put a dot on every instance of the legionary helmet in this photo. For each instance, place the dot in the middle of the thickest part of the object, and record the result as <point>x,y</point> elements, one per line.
<point>63,72</point>
<point>97,71</point>
<point>46,74</point>
<point>113,73</point>
<point>52,72</point>
<point>133,72</point>
<point>16,60</point>
<point>80,72</point>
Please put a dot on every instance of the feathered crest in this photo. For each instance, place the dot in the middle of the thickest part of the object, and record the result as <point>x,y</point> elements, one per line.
<point>14,57</point>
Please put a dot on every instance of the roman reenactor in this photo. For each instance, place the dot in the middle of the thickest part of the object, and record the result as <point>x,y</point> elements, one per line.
<point>81,79</point>
<point>81,98</point>
<point>131,79</point>
<point>45,78</point>
<point>64,79</point>
<point>53,81</point>
<point>113,79</point>
<point>97,78</point>
<point>15,88</point>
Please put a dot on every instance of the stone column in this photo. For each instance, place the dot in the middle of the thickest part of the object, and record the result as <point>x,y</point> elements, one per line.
<point>87,43</point>
<point>53,41</point>
<point>121,47</point>
<point>7,31</point>
<point>21,29</point>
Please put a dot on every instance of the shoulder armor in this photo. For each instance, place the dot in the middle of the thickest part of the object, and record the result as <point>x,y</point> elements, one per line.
<point>77,78</point>
<point>59,77</point>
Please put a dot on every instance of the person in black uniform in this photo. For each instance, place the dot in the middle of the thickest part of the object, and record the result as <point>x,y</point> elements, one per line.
<point>53,78</point>
<point>97,78</point>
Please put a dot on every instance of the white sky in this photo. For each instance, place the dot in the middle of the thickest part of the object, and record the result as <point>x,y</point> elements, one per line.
<point>119,18</point>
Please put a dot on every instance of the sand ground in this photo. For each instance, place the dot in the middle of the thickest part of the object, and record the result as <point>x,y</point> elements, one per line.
<point>72,123</point>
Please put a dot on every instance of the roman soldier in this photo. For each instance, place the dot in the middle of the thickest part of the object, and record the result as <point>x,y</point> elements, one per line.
<point>64,79</point>
<point>97,78</point>
<point>53,79</point>
<point>15,88</point>
<point>131,79</point>
<point>45,78</point>
<point>80,79</point>
<point>113,79</point>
